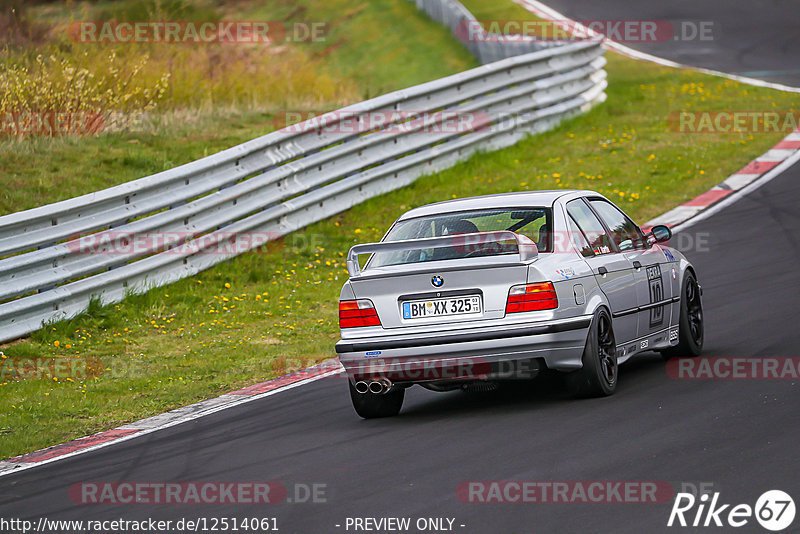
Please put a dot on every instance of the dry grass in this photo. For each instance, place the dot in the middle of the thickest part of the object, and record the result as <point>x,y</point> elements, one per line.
<point>57,74</point>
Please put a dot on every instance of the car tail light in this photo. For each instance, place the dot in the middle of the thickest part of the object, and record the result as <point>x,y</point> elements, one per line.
<point>359,312</point>
<point>532,297</point>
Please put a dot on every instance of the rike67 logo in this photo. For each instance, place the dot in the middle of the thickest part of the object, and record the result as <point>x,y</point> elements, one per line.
<point>774,510</point>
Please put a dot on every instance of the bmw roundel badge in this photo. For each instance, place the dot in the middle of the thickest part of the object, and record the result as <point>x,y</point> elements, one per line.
<point>437,281</point>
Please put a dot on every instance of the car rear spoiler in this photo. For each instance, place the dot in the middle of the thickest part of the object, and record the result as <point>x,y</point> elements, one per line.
<point>525,246</point>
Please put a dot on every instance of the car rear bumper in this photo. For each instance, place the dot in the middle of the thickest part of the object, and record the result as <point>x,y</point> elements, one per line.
<point>558,344</point>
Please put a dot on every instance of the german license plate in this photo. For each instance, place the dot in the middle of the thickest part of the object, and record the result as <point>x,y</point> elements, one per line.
<point>419,309</point>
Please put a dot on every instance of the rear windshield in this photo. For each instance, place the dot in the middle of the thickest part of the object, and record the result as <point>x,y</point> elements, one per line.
<point>534,223</point>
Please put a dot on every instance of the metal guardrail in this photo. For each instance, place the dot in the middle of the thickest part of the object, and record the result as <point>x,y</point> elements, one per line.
<point>275,184</point>
<point>486,47</point>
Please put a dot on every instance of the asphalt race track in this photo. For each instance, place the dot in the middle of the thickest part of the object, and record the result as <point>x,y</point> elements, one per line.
<point>755,38</point>
<point>739,436</point>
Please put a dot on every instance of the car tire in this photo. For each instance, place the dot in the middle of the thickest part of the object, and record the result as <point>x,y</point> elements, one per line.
<point>598,376</point>
<point>690,324</point>
<point>370,405</point>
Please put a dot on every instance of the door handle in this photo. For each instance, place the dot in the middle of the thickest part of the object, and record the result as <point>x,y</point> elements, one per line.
<point>602,270</point>
<point>637,265</point>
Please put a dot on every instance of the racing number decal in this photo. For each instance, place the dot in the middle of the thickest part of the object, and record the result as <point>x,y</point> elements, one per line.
<point>656,294</point>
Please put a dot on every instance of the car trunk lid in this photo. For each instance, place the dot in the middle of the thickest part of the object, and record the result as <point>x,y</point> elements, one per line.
<point>446,291</point>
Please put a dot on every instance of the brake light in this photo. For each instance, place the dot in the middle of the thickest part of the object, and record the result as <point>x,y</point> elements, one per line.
<point>532,297</point>
<point>359,312</point>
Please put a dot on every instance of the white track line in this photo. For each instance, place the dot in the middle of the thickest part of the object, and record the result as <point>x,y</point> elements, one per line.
<point>733,197</point>
<point>548,12</point>
<point>16,468</point>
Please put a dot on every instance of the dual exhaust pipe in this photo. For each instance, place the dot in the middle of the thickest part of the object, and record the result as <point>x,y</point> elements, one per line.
<point>379,386</point>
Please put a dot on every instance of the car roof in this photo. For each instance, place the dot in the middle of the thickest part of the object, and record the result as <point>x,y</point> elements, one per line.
<point>500,200</point>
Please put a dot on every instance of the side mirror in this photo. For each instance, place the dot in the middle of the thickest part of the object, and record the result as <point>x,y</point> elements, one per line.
<point>659,233</point>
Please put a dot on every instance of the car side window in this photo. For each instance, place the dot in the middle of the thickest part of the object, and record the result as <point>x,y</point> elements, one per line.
<point>578,239</point>
<point>590,225</point>
<point>624,231</point>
